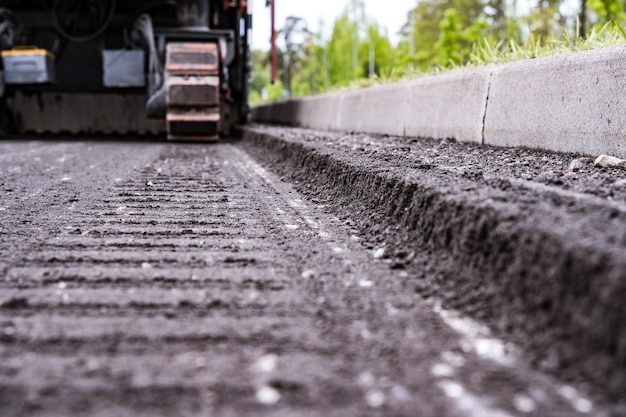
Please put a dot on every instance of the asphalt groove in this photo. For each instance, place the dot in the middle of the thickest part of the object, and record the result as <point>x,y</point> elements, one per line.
<point>207,257</point>
<point>88,312</point>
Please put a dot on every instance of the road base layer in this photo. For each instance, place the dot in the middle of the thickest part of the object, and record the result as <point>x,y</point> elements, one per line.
<point>532,243</point>
<point>565,103</point>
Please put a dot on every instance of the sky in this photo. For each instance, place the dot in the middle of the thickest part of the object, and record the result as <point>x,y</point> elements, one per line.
<point>389,14</point>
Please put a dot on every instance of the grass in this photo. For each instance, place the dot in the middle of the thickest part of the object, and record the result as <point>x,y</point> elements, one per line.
<point>487,52</point>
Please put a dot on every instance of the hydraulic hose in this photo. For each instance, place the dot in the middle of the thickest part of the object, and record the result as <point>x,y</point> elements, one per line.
<point>82,15</point>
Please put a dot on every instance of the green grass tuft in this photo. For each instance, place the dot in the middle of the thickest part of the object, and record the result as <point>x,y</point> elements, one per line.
<point>485,52</point>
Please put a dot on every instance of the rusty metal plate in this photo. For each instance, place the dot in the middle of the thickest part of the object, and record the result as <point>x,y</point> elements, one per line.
<point>199,91</point>
<point>192,57</point>
<point>193,126</point>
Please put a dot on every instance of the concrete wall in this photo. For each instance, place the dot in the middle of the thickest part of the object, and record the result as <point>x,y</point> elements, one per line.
<point>569,103</point>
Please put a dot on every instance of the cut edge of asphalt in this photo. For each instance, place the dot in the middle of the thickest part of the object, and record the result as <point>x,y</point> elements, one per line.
<point>562,103</point>
<point>571,326</point>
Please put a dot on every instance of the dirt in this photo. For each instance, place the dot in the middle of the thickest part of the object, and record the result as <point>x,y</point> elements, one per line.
<point>511,237</point>
<point>154,279</point>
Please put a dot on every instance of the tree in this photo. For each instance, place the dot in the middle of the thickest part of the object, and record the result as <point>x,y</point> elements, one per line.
<point>448,45</point>
<point>340,48</point>
<point>607,10</point>
<point>423,30</point>
<point>311,75</point>
<point>438,33</point>
<point>546,21</point>
<point>297,37</point>
<point>582,19</point>
<point>260,75</point>
<point>375,53</point>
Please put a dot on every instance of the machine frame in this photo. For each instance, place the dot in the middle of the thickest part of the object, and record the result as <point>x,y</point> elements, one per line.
<point>89,66</point>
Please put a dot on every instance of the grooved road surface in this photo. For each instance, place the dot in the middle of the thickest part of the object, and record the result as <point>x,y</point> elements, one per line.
<point>150,279</point>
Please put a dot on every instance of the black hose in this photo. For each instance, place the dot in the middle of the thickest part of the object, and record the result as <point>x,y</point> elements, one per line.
<point>45,4</point>
<point>8,28</point>
<point>96,13</point>
<point>143,34</point>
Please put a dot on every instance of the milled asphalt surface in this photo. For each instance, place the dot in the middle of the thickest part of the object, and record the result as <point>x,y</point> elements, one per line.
<point>531,243</point>
<point>154,279</point>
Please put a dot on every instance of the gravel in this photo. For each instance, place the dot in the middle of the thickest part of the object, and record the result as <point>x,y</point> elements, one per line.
<point>532,243</point>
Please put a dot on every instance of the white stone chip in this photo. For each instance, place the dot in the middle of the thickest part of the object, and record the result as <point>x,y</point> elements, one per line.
<point>365,283</point>
<point>524,404</point>
<point>266,363</point>
<point>309,273</point>
<point>451,388</point>
<point>366,379</point>
<point>578,402</point>
<point>578,164</point>
<point>267,395</point>
<point>375,398</point>
<point>583,405</point>
<point>607,161</point>
<point>442,370</point>
<point>379,253</point>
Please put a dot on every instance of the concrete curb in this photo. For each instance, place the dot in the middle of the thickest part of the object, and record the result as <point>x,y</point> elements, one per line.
<point>568,103</point>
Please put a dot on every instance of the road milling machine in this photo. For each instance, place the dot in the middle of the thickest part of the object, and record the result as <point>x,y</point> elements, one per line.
<point>124,67</point>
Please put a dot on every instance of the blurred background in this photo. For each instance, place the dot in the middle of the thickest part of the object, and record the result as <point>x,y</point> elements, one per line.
<point>327,45</point>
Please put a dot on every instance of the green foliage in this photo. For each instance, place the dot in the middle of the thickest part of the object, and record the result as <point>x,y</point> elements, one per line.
<point>448,46</point>
<point>254,97</point>
<point>375,53</point>
<point>608,10</point>
<point>343,48</point>
<point>438,35</point>
<point>275,91</point>
<point>545,20</point>
<point>485,52</point>
<point>260,76</point>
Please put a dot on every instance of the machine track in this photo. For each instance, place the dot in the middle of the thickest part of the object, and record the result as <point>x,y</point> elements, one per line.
<point>192,84</point>
<point>158,279</point>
